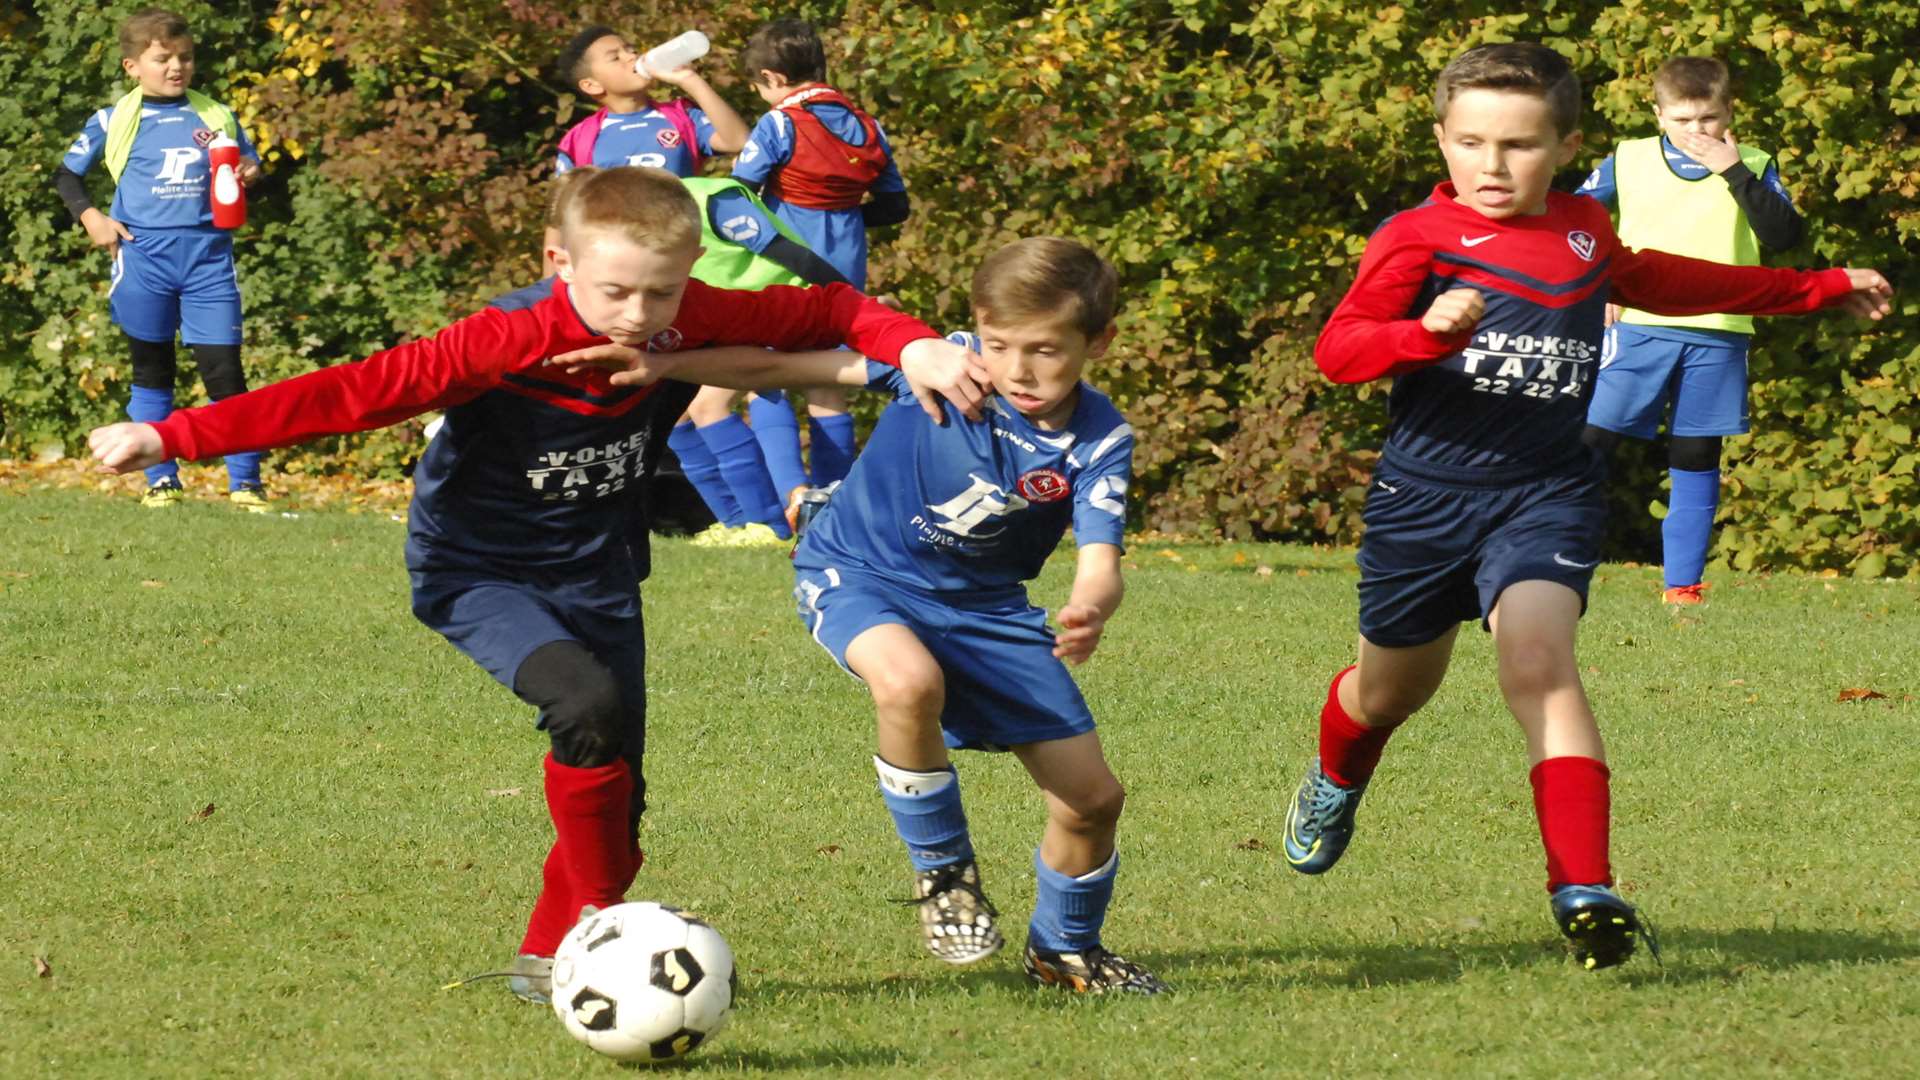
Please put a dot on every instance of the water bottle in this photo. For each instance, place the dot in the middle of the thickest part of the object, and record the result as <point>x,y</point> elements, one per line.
<point>679,52</point>
<point>229,198</point>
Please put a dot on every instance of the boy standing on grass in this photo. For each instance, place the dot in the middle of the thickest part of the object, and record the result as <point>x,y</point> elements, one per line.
<point>912,578</point>
<point>518,536</point>
<point>1484,303</point>
<point>172,269</point>
<point>817,157</point>
<point>1691,190</point>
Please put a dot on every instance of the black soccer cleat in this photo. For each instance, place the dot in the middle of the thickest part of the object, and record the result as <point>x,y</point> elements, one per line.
<point>1092,970</point>
<point>1601,928</point>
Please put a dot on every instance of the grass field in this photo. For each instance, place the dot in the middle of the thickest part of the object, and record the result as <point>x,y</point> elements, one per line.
<point>252,816</point>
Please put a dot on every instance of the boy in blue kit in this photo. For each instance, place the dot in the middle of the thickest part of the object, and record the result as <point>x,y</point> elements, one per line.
<point>1691,190</point>
<point>1485,305</point>
<point>825,168</point>
<point>630,128</point>
<point>911,577</point>
<point>172,269</point>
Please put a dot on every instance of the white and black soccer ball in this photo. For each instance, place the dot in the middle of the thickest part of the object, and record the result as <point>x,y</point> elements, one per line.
<point>643,982</point>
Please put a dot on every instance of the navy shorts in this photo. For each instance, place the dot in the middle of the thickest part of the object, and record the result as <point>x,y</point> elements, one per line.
<point>1004,685</point>
<point>1435,555</point>
<point>1702,376</point>
<point>499,623</point>
<point>168,281</point>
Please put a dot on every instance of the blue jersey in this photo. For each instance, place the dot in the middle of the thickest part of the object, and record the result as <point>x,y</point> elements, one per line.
<point>1601,185</point>
<point>164,185</point>
<point>971,509</point>
<point>648,138</point>
<point>838,236</point>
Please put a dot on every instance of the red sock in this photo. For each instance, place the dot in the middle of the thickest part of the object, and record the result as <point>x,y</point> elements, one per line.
<point>555,912</point>
<point>1570,799</point>
<point>590,820</point>
<point>1348,752</point>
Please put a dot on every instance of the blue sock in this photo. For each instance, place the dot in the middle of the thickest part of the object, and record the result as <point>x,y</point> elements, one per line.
<point>150,405</point>
<point>1069,911</point>
<point>778,433</point>
<point>243,470</point>
<point>745,471</point>
<point>703,472</point>
<point>934,826</point>
<point>830,439</point>
<point>1689,525</point>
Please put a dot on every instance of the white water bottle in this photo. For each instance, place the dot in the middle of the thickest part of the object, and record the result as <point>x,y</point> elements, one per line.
<point>677,53</point>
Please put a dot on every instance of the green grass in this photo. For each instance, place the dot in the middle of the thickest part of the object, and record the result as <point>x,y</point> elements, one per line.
<point>377,828</point>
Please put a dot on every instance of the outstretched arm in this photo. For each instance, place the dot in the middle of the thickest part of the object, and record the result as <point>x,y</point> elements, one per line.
<point>1676,285</point>
<point>737,367</point>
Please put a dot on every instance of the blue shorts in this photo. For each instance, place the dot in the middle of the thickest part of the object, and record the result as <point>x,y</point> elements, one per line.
<point>1004,685</point>
<point>1435,555</point>
<point>1702,374</point>
<point>499,623</point>
<point>168,281</point>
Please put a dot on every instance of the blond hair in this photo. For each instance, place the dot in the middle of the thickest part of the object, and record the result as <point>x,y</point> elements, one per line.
<point>1693,78</point>
<point>1517,67</point>
<point>649,207</point>
<point>148,25</point>
<point>1038,277</point>
<point>563,188</point>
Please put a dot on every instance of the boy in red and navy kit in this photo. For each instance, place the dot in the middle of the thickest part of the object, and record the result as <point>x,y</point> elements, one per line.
<point>1485,305</point>
<point>816,158</point>
<point>517,536</point>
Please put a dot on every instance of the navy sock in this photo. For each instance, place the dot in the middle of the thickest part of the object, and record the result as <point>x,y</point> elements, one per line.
<point>150,405</point>
<point>703,472</point>
<point>1688,529</point>
<point>1069,911</point>
<point>745,472</point>
<point>830,442</point>
<point>933,826</point>
<point>778,433</point>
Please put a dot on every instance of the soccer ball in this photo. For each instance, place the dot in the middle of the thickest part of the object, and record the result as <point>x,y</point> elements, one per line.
<point>643,982</point>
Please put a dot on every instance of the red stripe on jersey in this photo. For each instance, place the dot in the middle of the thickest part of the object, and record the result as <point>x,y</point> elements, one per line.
<point>560,397</point>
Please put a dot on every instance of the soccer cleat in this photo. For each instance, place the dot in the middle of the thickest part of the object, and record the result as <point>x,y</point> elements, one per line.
<point>163,493</point>
<point>251,498</point>
<point>1320,822</point>
<point>530,978</point>
<point>956,918</point>
<point>714,535</point>
<point>1600,927</point>
<point>1685,595</point>
<point>1093,970</point>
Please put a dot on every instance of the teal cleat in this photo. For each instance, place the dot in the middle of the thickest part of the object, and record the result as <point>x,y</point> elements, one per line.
<point>1320,822</point>
<point>1601,928</point>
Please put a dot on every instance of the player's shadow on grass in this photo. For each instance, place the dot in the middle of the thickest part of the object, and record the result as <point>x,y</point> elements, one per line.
<point>825,1057</point>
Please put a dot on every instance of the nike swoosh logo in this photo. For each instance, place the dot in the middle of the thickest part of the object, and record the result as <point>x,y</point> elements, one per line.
<point>1476,241</point>
<point>1557,557</point>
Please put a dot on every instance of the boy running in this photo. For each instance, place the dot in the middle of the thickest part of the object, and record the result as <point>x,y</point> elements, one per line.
<point>518,541</point>
<point>1485,305</point>
<point>1691,190</point>
<point>172,269</point>
<point>912,576</point>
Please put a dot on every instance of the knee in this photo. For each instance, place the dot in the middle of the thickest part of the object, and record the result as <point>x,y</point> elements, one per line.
<point>1389,706</point>
<point>1694,453</point>
<point>153,364</point>
<point>914,686</point>
<point>1532,667</point>
<point>1095,811</point>
<point>581,707</point>
<point>220,370</point>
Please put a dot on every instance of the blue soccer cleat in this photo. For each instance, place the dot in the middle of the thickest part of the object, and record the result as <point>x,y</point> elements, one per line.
<point>1601,928</point>
<point>1320,822</point>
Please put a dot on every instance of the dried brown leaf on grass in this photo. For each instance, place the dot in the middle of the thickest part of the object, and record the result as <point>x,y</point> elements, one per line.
<point>1859,693</point>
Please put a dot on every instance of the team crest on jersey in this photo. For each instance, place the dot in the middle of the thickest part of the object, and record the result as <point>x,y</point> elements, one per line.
<point>1043,485</point>
<point>1583,244</point>
<point>202,137</point>
<point>667,340</point>
<point>667,137</point>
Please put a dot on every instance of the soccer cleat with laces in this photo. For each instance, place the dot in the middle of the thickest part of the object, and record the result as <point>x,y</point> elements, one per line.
<point>1685,595</point>
<point>162,494</point>
<point>250,497</point>
<point>1600,927</point>
<point>1093,970</point>
<point>1320,822</point>
<point>956,918</point>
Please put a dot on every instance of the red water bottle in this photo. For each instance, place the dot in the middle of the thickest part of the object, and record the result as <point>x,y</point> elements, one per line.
<point>229,198</point>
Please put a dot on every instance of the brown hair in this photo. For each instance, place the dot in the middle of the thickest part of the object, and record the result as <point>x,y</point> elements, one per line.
<point>789,47</point>
<point>564,187</point>
<point>1693,78</point>
<point>1037,277</point>
<point>1519,67</point>
<point>147,26</point>
<point>649,207</point>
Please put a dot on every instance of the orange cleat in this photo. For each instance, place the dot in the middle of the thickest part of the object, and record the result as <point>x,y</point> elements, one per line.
<point>1685,595</point>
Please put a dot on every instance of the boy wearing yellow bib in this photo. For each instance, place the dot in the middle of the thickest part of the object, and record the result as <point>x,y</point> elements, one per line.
<point>1691,190</point>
